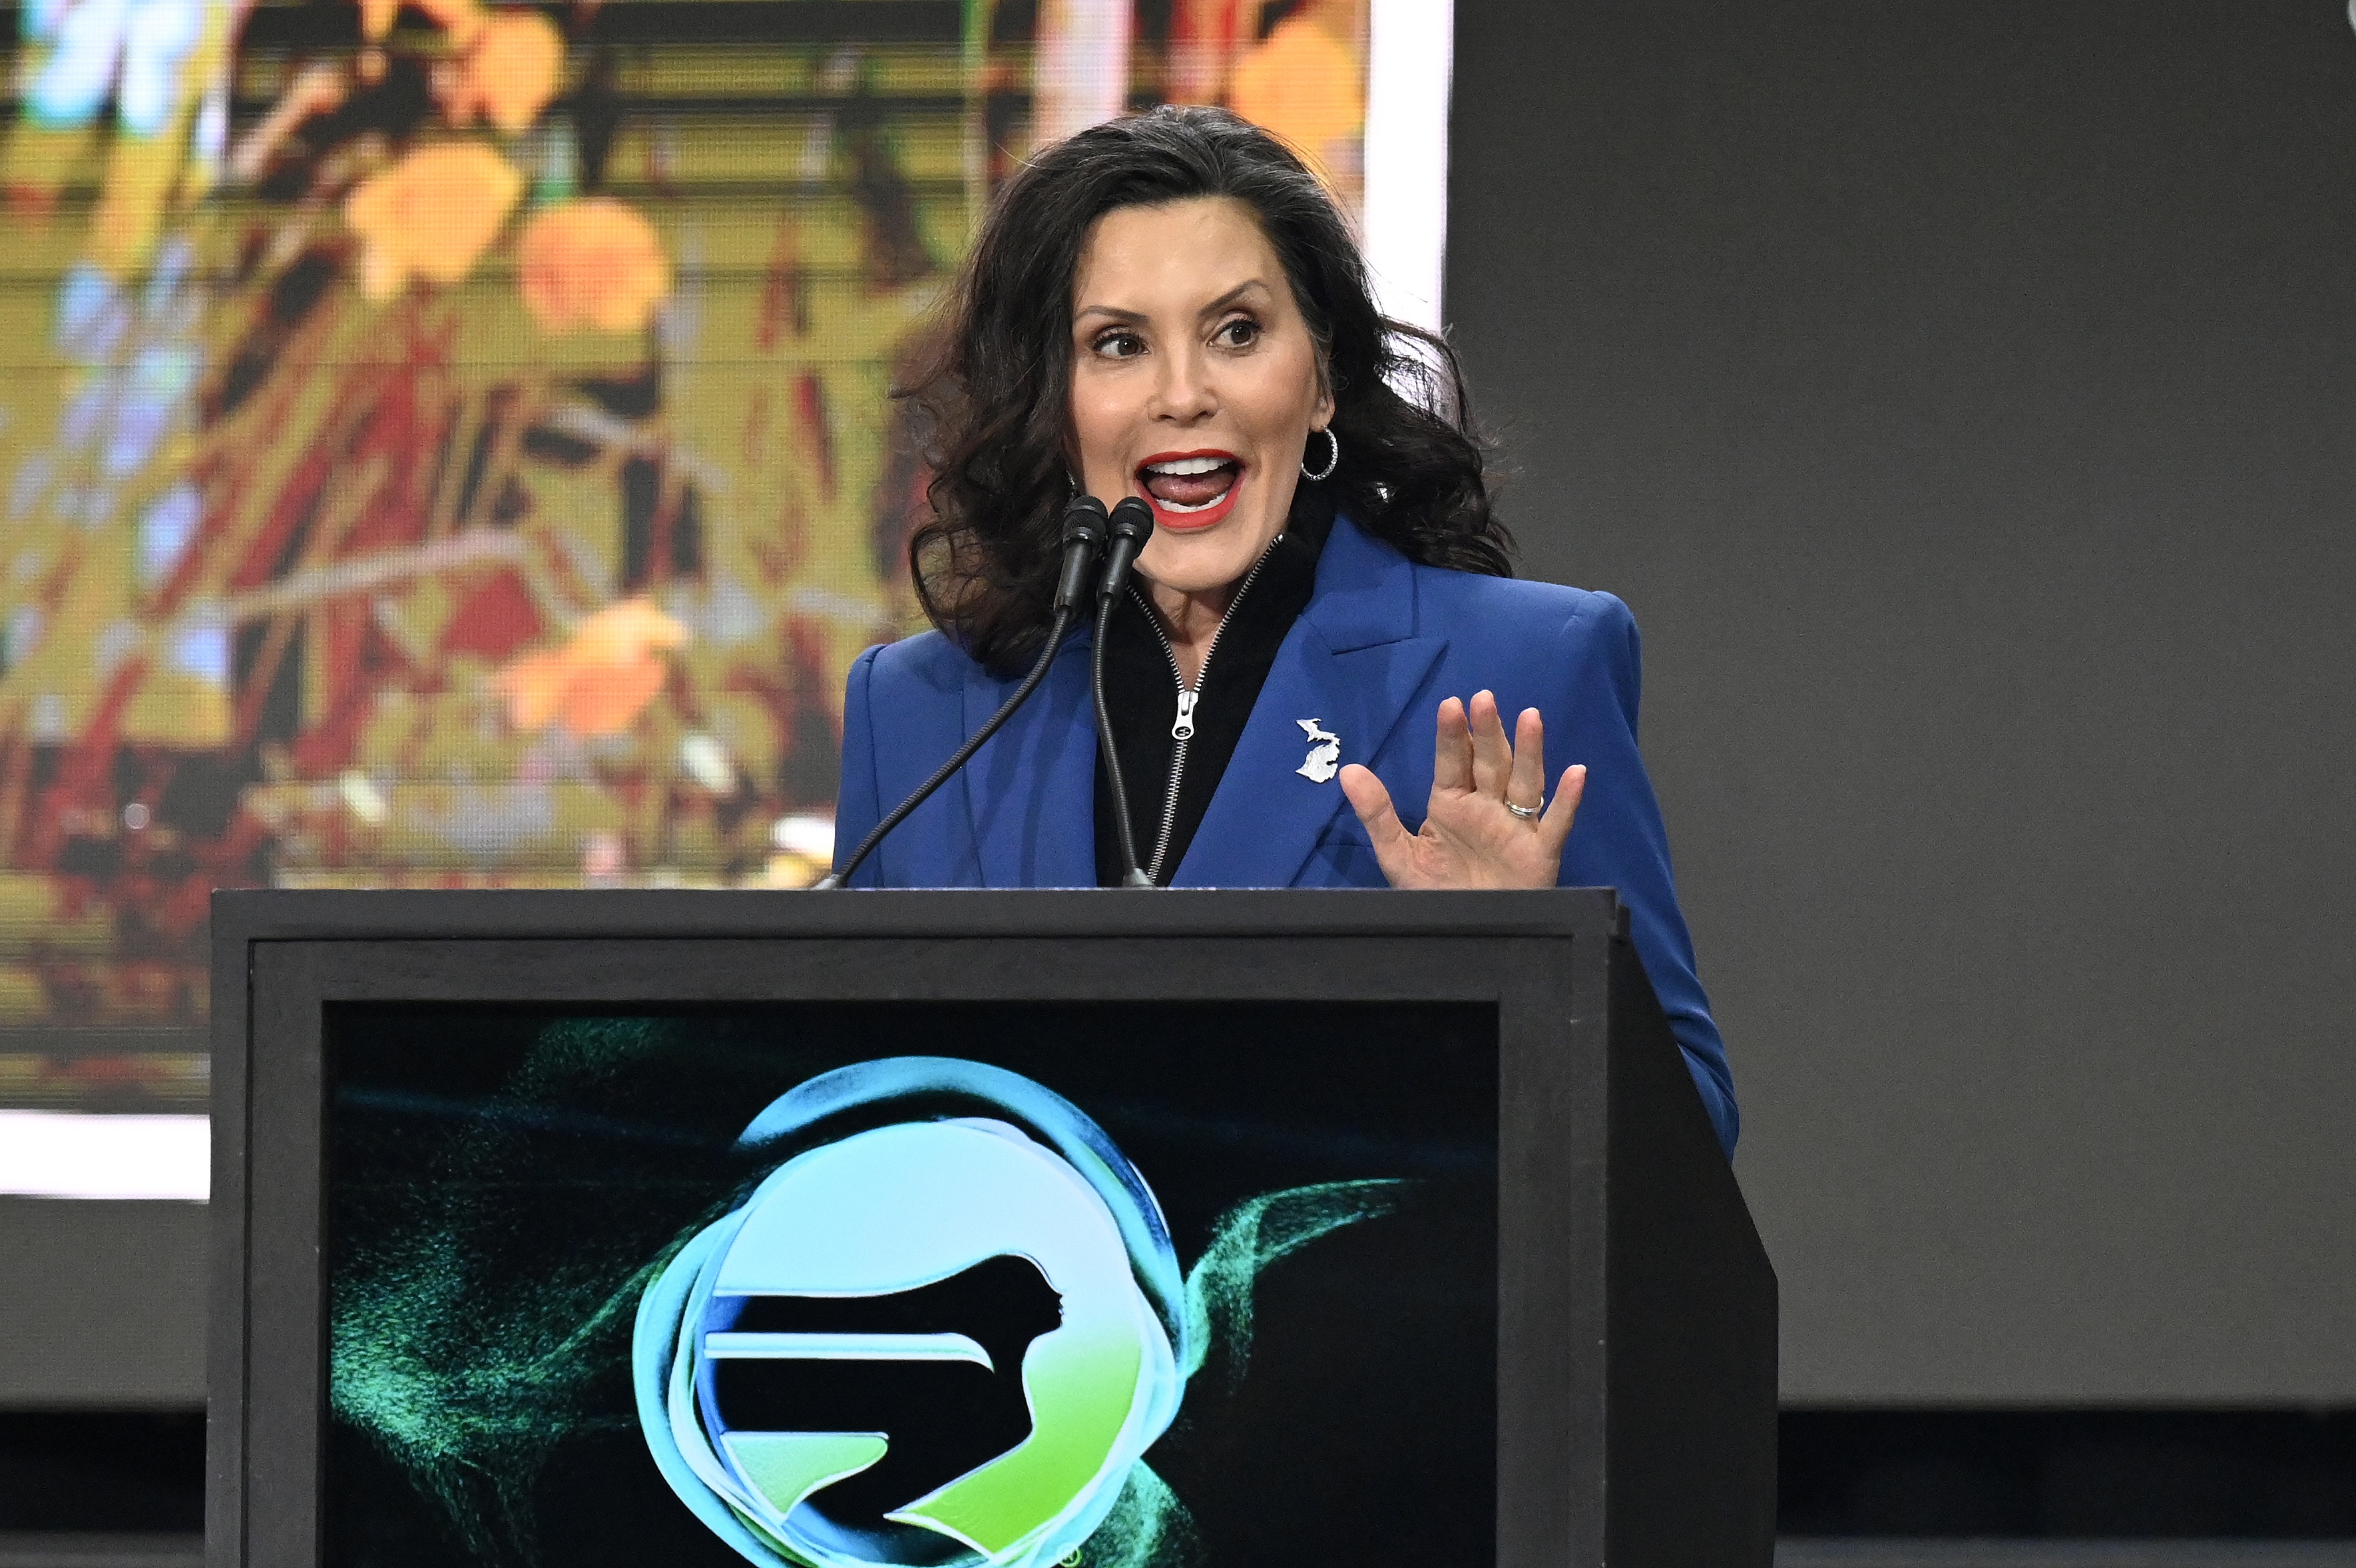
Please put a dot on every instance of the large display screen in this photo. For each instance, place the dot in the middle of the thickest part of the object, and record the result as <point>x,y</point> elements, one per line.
<point>852,1285</point>
<point>449,443</point>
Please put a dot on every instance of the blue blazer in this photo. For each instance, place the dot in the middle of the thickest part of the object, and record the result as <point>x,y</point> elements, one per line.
<point>1382,642</point>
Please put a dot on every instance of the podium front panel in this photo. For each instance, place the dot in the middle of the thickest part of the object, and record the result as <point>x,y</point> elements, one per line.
<point>937,1229</point>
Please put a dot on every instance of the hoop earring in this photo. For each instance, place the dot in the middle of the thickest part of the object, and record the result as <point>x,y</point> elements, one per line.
<point>1333,459</point>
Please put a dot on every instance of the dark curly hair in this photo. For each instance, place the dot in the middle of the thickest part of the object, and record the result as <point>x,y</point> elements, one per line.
<point>993,396</point>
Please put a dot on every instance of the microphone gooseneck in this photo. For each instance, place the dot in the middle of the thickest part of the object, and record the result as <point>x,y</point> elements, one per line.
<point>1131,526</point>
<point>1083,530</point>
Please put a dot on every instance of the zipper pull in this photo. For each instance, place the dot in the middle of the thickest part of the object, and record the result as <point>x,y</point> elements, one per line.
<point>1184,729</point>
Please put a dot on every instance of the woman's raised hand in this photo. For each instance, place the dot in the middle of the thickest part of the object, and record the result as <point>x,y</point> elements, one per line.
<point>1470,839</point>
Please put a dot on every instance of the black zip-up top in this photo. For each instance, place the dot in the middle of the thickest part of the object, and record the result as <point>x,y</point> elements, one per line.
<point>1175,742</point>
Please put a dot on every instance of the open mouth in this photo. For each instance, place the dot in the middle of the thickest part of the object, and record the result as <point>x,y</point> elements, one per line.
<point>1190,489</point>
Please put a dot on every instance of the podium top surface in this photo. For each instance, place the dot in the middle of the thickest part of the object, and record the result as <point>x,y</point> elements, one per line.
<point>357,915</point>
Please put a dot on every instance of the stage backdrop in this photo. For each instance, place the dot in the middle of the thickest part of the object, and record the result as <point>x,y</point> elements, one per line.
<point>449,443</point>
<point>1964,396</point>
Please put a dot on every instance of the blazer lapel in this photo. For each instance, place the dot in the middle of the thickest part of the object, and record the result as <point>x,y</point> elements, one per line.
<point>1031,792</point>
<point>1353,664</point>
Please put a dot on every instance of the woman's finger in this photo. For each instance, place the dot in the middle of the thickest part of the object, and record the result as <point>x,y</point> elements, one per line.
<point>1372,801</point>
<point>1527,786</point>
<point>1554,827</point>
<point>1452,758</point>
<point>1493,755</point>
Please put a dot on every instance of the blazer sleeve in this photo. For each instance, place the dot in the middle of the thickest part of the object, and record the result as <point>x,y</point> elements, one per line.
<point>858,808</point>
<point>1620,841</point>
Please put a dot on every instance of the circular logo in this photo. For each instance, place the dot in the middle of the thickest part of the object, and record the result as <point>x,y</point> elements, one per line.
<point>850,1265</point>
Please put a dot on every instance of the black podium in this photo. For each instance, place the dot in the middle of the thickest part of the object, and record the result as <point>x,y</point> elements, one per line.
<point>1115,1229</point>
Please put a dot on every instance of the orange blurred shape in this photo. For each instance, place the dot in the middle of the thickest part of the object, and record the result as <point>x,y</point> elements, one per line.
<point>459,18</point>
<point>600,679</point>
<point>1303,84</point>
<point>628,630</point>
<point>432,215</point>
<point>534,687</point>
<point>511,70</point>
<point>592,263</point>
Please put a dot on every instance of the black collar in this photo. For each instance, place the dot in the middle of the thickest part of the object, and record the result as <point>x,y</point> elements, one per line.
<point>1142,693</point>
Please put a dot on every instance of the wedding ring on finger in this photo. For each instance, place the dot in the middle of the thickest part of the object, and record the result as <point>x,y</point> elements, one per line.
<point>1526,813</point>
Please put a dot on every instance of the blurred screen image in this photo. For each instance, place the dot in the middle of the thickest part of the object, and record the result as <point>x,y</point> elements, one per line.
<point>450,444</point>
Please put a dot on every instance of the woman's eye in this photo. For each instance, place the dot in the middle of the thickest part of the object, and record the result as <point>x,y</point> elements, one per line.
<point>1120,346</point>
<point>1240,332</point>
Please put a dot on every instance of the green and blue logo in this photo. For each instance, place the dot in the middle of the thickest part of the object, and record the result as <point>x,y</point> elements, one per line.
<point>906,1174</point>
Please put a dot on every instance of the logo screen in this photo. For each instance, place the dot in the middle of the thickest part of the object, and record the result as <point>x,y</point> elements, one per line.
<point>1100,1289</point>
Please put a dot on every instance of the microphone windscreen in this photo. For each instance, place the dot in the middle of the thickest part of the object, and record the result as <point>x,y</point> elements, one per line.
<point>1085,518</point>
<point>1133,518</point>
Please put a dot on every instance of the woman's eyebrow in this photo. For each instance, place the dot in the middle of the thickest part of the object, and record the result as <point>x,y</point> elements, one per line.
<point>1225,301</point>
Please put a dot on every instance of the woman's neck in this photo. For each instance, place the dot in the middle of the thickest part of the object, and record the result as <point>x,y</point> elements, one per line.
<point>1191,621</point>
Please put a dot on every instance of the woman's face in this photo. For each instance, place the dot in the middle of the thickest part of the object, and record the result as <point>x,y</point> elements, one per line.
<point>1194,384</point>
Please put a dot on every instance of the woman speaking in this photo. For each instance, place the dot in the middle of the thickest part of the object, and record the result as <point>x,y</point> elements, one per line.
<point>1171,307</point>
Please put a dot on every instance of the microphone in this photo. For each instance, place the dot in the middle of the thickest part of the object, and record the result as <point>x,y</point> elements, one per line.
<point>1083,530</point>
<point>1083,525</point>
<point>1132,525</point>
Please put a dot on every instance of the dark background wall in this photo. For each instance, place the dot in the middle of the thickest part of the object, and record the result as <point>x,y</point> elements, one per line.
<point>1963,397</point>
<point>101,1304</point>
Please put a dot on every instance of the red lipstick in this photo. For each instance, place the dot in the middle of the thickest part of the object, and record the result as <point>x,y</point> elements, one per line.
<point>1172,515</point>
